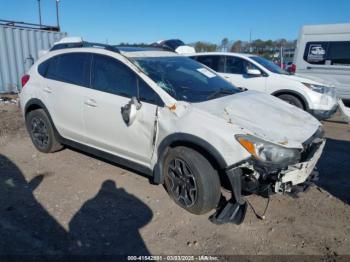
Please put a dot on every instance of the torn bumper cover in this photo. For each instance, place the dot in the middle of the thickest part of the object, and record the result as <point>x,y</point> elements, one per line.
<point>282,179</point>
<point>299,173</point>
<point>256,177</point>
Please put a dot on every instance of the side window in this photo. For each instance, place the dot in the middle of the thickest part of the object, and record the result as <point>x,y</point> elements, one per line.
<point>248,65</point>
<point>235,65</point>
<point>42,68</point>
<point>71,68</point>
<point>339,53</point>
<point>215,62</point>
<point>316,52</point>
<point>111,76</point>
<point>147,94</point>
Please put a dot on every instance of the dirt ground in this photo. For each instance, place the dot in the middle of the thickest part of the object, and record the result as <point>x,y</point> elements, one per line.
<point>69,202</point>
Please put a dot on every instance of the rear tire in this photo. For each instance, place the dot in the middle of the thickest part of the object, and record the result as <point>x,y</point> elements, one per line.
<point>293,100</point>
<point>41,132</point>
<point>191,181</point>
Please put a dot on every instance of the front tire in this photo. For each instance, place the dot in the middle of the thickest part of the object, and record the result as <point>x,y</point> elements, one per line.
<point>293,100</point>
<point>41,132</point>
<point>191,181</point>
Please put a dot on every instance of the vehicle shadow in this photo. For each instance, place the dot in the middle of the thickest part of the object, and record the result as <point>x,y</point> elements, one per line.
<point>107,224</point>
<point>26,227</point>
<point>334,169</point>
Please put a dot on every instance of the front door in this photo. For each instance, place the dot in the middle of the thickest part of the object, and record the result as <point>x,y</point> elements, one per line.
<point>236,72</point>
<point>113,85</point>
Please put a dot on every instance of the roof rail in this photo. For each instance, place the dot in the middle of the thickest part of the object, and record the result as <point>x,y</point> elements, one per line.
<point>65,44</point>
<point>141,47</point>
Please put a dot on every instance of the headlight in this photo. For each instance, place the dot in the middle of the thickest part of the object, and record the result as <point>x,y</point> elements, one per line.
<point>268,152</point>
<point>317,88</point>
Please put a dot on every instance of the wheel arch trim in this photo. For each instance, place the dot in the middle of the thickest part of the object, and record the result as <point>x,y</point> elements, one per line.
<point>37,102</point>
<point>294,93</point>
<point>192,141</point>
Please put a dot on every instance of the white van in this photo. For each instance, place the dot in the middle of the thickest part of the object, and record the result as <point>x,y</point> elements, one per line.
<point>323,52</point>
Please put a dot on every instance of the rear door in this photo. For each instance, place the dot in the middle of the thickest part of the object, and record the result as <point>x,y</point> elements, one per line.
<point>67,79</point>
<point>218,64</point>
<point>215,62</point>
<point>113,84</point>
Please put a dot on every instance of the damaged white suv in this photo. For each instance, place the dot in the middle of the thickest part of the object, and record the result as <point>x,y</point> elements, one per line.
<point>172,118</point>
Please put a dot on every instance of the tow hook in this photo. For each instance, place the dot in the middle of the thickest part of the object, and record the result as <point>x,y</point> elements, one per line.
<point>233,210</point>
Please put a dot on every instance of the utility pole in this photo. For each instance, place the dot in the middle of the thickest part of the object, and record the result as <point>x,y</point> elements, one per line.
<point>281,56</point>
<point>57,16</point>
<point>39,6</point>
<point>250,41</point>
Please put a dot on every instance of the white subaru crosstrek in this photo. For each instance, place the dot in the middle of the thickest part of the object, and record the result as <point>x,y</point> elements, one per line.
<point>257,73</point>
<point>170,117</point>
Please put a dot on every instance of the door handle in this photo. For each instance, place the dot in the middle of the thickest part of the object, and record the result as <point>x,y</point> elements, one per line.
<point>47,89</point>
<point>90,102</point>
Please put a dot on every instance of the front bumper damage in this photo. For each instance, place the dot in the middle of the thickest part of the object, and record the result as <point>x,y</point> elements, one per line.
<point>299,173</point>
<point>254,178</point>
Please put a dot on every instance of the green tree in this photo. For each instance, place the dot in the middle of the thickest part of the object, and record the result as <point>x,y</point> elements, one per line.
<point>205,47</point>
<point>236,47</point>
<point>224,44</point>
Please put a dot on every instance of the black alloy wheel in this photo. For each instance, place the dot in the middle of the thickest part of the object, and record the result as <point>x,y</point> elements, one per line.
<point>182,182</point>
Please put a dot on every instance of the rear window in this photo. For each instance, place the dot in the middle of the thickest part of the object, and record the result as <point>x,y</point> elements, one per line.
<point>328,53</point>
<point>215,62</point>
<point>339,53</point>
<point>73,68</point>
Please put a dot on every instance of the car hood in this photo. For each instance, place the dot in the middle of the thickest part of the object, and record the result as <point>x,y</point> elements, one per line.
<point>314,81</point>
<point>264,116</point>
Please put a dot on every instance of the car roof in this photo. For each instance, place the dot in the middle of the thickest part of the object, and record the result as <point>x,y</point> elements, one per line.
<point>129,51</point>
<point>136,48</point>
<point>221,53</point>
<point>149,53</point>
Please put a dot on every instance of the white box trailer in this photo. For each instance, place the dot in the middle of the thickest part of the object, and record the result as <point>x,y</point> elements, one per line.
<point>323,52</point>
<point>19,48</point>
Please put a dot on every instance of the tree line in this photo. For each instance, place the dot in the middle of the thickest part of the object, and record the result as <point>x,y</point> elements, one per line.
<point>266,48</point>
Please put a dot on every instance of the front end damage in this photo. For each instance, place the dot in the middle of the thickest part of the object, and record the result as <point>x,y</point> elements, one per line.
<point>254,177</point>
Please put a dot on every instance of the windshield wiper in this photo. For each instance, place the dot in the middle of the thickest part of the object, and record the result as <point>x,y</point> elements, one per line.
<point>221,92</point>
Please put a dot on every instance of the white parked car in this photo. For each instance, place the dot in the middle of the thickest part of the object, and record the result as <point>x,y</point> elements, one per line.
<point>169,117</point>
<point>257,73</point>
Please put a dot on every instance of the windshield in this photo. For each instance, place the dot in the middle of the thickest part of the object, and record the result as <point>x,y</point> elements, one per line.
<point>269,65</point>
<point>185,79</point>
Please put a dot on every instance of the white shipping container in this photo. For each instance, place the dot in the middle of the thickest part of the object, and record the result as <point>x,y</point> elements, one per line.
<point>19,49</point>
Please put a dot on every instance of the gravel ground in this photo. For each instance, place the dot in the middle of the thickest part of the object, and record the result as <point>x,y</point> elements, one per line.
<point>69,202</point>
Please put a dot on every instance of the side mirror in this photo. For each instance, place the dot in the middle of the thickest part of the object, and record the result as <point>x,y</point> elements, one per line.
<point>129,111</point>
<point>253,72</point>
